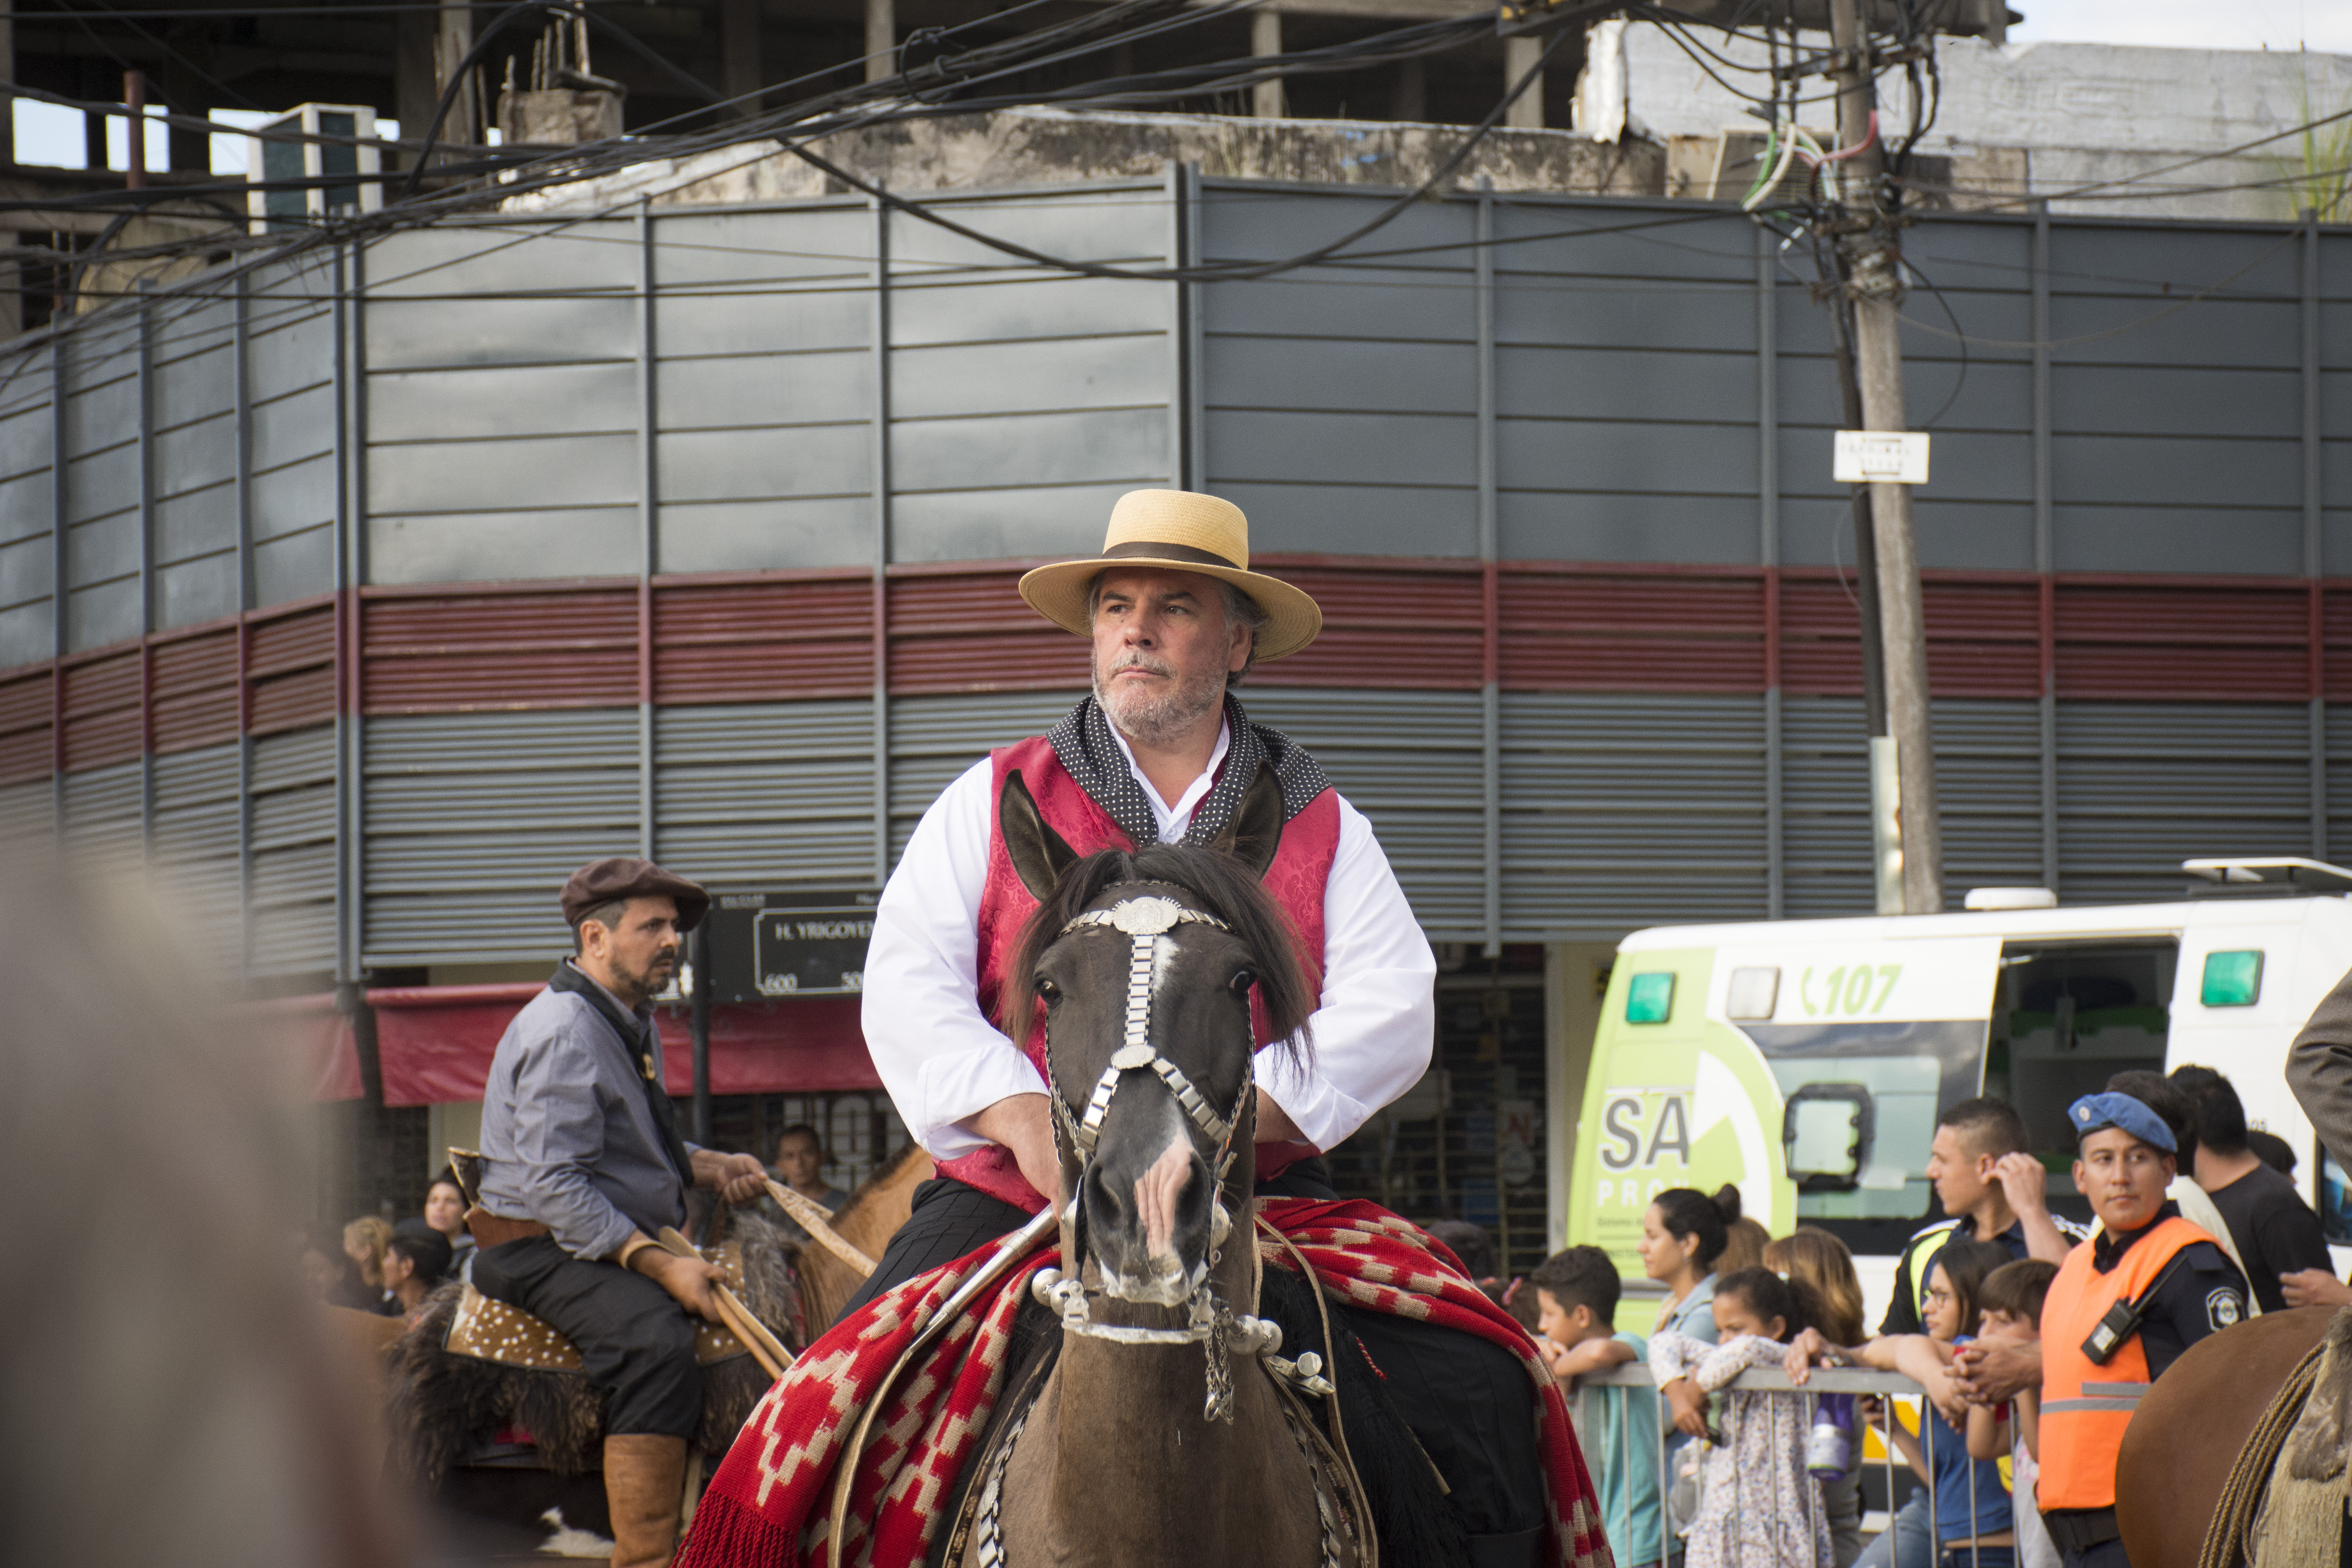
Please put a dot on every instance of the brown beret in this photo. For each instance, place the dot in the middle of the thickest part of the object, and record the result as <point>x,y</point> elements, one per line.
<point>600,882</point>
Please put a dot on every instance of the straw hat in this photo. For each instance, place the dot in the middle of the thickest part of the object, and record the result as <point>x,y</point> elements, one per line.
<point>1177,530</point>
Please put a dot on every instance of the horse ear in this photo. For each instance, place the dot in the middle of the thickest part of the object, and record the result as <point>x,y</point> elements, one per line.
<point>1039,855</point>
<point>1254,833</point>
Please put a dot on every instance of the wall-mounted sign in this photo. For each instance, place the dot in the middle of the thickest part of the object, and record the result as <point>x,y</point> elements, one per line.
<point>1881,456</point>
<point>766,946</point>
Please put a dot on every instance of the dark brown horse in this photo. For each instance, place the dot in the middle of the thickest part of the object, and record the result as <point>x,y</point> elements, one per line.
<point>1157,1437</point>
<point>2187,1432</point>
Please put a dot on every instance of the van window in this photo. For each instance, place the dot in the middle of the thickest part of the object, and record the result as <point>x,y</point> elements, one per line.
<point>2066,1017</point>
<point>1865,1096</point>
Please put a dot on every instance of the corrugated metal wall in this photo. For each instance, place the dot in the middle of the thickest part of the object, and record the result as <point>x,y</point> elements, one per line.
<point>766,794</point>
<point>294,841</point>
<point>1588,664</point>
<point>474,820</point>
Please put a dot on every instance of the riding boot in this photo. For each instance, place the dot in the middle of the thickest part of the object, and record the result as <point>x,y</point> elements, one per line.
<point>645,1482</point>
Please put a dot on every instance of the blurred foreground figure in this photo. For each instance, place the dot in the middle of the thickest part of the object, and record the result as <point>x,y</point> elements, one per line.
<point>167,1393</point>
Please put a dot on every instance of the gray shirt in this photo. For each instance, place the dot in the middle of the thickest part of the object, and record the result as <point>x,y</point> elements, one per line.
<point>567,1139</point>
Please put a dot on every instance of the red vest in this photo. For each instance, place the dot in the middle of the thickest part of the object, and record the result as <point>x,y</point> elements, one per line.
<point>1301,867</point>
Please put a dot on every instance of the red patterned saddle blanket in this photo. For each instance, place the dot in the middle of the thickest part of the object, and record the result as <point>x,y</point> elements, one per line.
<point>769,1505</point>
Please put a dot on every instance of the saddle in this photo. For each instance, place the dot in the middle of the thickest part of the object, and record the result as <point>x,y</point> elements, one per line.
<point>2284,1504</point>
<point>492,1331</point>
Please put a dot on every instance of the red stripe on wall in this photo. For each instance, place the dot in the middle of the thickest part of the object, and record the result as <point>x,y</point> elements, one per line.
<point>1388,623</point>
<point>970,631</point>
<point>195,690</point>
<point>290,668</point>
<point>764,641</point>
<point>563,646</point>
<point>103,719</point>
<point>2171,641</point>
<point>1604,631</point>
<point>26,740</point>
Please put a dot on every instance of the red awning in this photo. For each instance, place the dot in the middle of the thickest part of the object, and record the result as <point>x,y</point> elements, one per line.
<point>436,1043</point>
<point>314,1041</point>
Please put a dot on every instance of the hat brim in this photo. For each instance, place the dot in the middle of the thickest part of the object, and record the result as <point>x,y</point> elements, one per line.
<point>1059,593</point>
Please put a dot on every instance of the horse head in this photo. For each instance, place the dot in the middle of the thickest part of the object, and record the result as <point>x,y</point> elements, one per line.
<point>1145,965</point>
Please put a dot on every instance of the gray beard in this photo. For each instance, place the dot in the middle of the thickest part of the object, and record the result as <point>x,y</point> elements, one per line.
<point>1162,719</point>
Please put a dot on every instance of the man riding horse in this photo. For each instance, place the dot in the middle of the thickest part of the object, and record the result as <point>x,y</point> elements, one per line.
<point>583,1165</point>
<point>1162,753</point>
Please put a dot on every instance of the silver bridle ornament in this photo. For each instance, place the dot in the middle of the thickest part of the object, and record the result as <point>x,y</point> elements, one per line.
<point>1143,920</point>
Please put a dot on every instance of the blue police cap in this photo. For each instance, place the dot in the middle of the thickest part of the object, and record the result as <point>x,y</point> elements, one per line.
<point>2097,1112</point>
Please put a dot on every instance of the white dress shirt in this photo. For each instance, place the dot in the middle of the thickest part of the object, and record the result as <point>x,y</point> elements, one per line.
<point>943,1062</point>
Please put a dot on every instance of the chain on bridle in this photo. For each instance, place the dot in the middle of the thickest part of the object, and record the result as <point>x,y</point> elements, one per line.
<point>1143,919</point>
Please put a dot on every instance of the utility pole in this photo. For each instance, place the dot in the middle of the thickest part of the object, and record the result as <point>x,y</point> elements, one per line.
<point>1866,244</point>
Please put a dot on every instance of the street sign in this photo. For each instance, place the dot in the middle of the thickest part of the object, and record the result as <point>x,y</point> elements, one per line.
<point>770,946</point>
<point>1881,456</point>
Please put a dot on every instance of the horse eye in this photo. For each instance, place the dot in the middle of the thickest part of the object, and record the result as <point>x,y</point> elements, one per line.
<point>1242,981</point>
<point>1047,991</point>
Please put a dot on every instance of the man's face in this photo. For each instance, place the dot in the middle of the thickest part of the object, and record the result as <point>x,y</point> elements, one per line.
<point>1957,1171</point>
<point>798,1157</point>
<point>2123,1178</point>
<point>1162,650</point>
<point>640,955</point>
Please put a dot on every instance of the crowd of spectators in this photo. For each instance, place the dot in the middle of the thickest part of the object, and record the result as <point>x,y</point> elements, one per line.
<point>1756,1478</point>
<point>388,1268</point>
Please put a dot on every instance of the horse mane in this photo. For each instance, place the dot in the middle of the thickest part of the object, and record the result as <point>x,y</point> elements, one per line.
<point>1226,889</point>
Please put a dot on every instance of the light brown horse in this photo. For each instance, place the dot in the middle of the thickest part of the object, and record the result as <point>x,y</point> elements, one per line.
<point>1132,1453</point>
<point>2188,1430</point>
<point>867,1221</point>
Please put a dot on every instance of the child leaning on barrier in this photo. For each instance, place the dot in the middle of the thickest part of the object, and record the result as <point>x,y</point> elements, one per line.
<point>1812,1257</point>
<point>1973,1518</point>
<point>1576,1296</point>
<point>2011,1303</point>
<point>1758,1507</point>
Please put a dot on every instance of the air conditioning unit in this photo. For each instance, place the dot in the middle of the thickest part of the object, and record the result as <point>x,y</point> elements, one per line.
<point>271,159</point>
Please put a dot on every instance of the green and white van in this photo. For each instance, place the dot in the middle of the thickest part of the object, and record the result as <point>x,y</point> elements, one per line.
<point>1805,1061</point>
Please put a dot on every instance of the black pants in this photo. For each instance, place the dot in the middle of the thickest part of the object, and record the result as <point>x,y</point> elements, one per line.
<point>635,1341</point>
<point>1467,1400</point>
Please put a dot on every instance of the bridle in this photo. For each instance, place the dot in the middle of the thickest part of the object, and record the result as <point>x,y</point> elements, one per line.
<point>1209,1322</point>
<point>1144,921</point>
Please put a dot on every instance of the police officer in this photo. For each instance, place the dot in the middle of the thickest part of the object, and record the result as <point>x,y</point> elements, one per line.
<point>2121,1311</point>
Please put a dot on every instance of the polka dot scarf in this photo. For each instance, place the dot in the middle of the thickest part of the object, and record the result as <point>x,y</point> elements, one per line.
<point>1086,748</point>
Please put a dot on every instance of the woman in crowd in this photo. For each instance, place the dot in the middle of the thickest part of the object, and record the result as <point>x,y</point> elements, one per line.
<point>445,1210</point>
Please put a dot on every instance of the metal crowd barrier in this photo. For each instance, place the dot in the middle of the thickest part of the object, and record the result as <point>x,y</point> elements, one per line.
<point>1888,1386</point>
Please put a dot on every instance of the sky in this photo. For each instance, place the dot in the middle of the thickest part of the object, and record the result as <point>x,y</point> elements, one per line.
<point>47,133</point>
<point>2322,25</point>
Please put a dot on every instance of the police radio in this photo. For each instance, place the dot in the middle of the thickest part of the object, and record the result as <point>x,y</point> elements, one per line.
<point>2122,1320</point>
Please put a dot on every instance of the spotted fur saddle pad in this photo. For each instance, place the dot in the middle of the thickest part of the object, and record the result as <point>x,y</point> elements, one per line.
<point>493,1330</point>
<point>471,1369</point>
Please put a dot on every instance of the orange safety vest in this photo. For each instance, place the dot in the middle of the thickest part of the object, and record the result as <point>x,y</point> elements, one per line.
<point>2084,1407</point>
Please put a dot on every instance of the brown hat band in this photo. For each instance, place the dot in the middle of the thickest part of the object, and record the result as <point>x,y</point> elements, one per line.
<point>1144,548</point>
